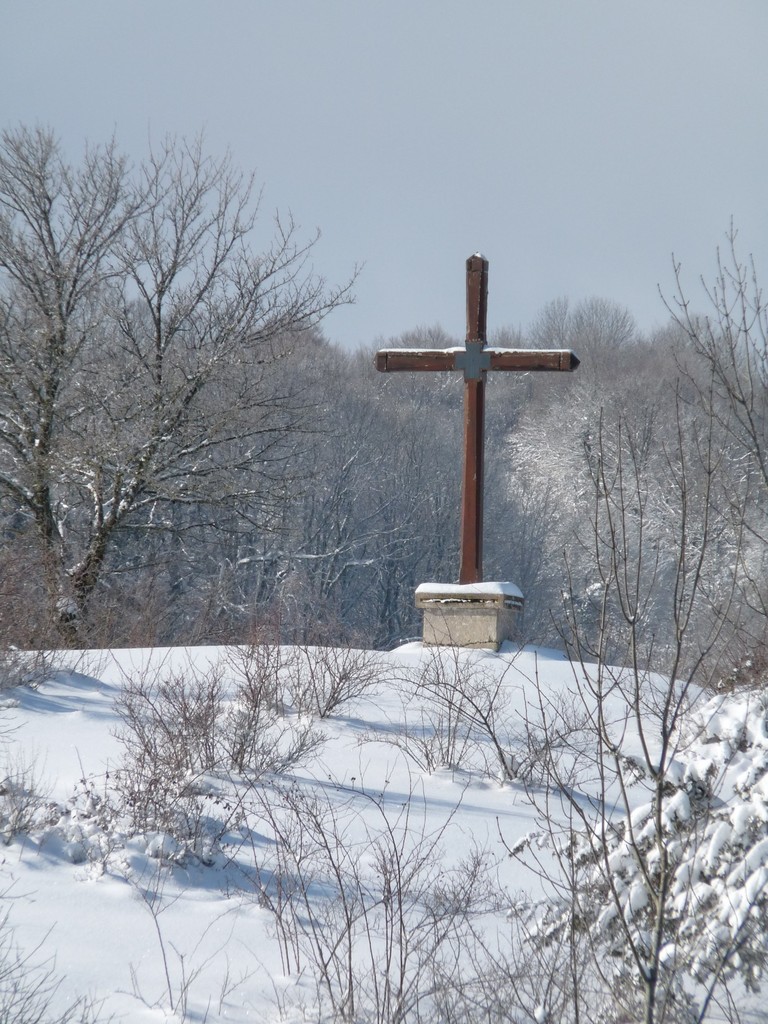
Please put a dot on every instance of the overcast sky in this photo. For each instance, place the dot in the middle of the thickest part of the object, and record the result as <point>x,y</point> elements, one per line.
<point>576,143</point>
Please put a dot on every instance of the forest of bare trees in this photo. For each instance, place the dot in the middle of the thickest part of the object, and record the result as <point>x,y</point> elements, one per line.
<point>184,456</point>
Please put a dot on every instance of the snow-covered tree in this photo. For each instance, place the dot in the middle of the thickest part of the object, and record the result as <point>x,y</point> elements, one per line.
<point>144,326</point>
<point>638,816</point>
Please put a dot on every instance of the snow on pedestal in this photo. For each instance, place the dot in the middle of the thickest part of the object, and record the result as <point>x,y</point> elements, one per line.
<point>481,615</point>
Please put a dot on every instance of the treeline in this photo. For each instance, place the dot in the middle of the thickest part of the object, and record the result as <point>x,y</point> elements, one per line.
<point>185,458</point>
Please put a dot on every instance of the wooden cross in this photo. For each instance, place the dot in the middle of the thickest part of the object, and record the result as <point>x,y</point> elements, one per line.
<point>475,359</point>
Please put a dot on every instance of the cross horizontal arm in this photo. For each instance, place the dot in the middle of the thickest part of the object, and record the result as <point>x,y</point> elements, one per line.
<point>531,359</point>
<point>390,359</point>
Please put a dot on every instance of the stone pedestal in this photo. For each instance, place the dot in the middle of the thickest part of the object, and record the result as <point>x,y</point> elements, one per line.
<point>480,615</point>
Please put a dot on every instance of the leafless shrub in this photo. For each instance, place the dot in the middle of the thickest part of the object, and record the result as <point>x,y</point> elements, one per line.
<point>466,720</point>
<point>181,970</point>
<point>91,822</point>
<point>185,733</point>
<point>22,797</point>
<point>321,680</point>
<point>261,670</point>
<point>186,815</point>
<point>29,984</point>
<point>558,731</point>
<point>23,668</point>
<point>258,741</point>
<point>515,983</point>
<point>438,734</point>
<point>258,736</point>
<point>170,737</point>
<point>438,738</point>
<point>173,719</point>
<point>750,671</point>
<point>470,718</point>
<point>372,910</point>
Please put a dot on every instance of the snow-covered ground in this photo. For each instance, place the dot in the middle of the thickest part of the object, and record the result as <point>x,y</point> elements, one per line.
<point>158,925</point>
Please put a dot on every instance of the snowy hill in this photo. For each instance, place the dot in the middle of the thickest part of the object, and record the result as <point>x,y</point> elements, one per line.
<point>316,834</point>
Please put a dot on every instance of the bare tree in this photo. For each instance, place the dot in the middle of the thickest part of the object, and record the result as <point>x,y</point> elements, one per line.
<point>625,929</point>
<point>727,363</point>
<point>142,347</point>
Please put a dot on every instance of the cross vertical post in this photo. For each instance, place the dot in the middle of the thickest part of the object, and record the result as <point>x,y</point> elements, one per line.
<point>471,558</point>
